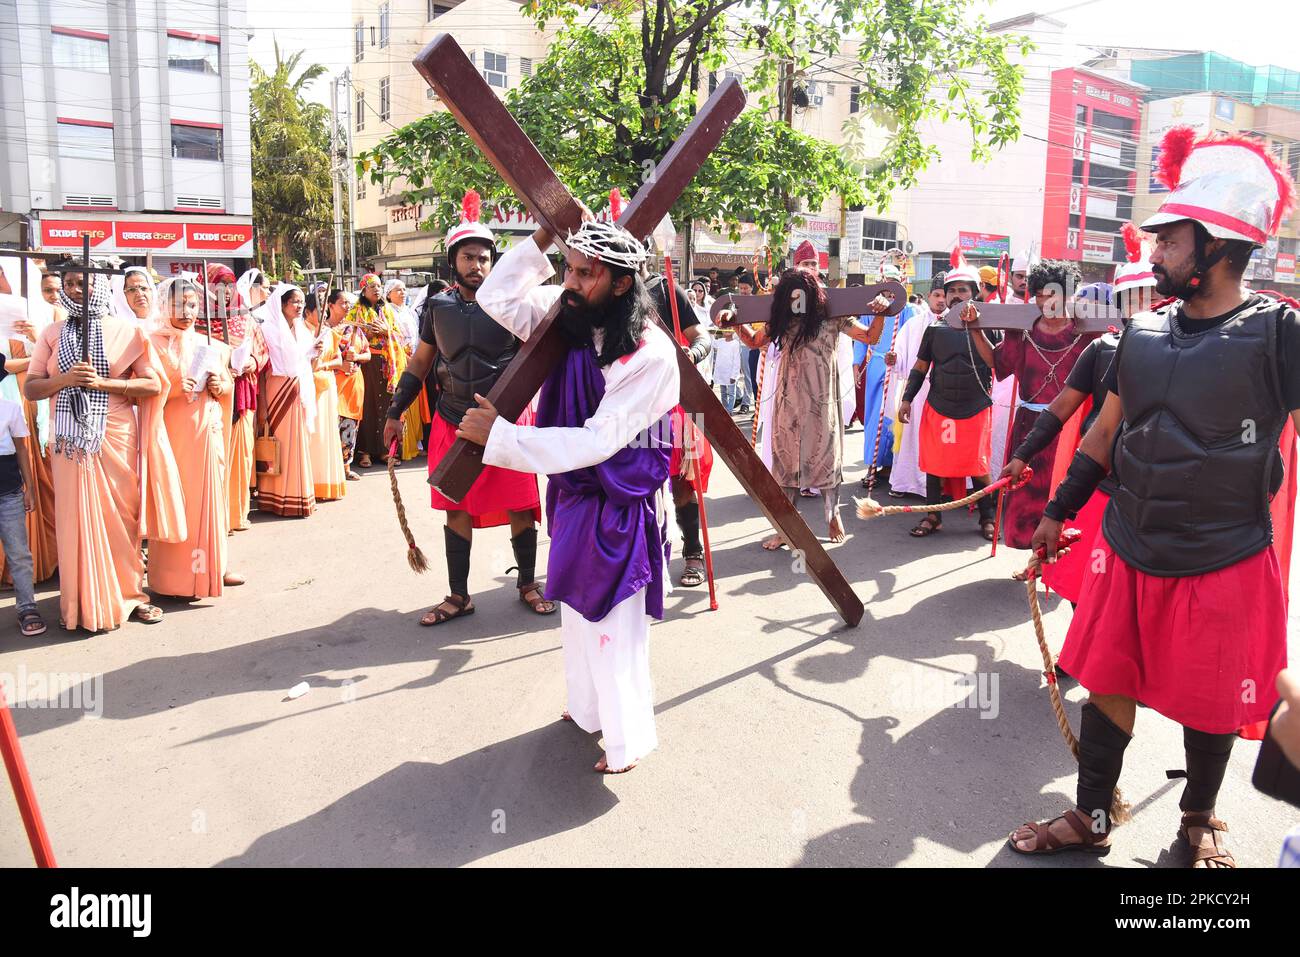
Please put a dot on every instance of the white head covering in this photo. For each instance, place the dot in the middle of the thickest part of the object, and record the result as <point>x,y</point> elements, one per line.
<point>122,310</point>
<point>290,348</point>
<point>408,324</point>
<point>244,285</point>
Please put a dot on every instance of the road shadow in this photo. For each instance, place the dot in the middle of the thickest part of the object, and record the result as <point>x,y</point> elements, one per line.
<point>513,792</point>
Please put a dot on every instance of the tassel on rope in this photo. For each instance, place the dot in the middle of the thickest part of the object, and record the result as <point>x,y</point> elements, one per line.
<point>1121,812</point>
<point>870,508</point>
<point>414,557</point>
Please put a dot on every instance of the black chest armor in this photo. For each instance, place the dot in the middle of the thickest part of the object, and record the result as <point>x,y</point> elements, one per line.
<point>473,351</point>
<point>958,387</point>
<point>1197,459</point>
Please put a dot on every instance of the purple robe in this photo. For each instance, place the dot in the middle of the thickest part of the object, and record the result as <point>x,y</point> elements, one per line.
<point>606,541</point>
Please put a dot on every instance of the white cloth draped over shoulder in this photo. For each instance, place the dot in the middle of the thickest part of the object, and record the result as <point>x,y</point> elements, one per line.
<point>291,346</point>
<point>640,388</point>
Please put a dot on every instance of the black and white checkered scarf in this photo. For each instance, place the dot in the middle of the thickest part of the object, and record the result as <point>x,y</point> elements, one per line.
<point>81,415</point>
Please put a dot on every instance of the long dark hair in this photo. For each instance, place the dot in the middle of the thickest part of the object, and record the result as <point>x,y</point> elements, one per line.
<point>787,326</point>
<point>626,318</point>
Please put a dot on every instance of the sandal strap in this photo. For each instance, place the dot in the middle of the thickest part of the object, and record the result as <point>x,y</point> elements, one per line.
<point>456,601</point>
<point>1082,826</point>
<point>1204,819</point>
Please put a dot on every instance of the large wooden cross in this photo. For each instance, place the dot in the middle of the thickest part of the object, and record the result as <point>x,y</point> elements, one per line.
<point>1022,316</point>
<point>855,301</point>
<point>445,67</point>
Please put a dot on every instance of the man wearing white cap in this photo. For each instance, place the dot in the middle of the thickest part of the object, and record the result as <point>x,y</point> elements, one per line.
<point>957,422</point>
<point>1020,277</point>
<point>1182,607</point>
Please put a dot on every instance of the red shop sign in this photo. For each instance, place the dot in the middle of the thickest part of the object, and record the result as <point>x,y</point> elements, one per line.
<point>217,235</point>
<point>68,232</point>
<point>148,235</point>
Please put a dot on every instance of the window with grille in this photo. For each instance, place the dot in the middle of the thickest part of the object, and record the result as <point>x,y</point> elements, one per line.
<point>359,45</point>
<point>494,68</point>
<point>384,106</point>
<point>193,55</point>
<point>196,142</point>
<point>71,52</point>
<point>361,188</point>
<point>79,141</point>
<point>361,111</point>
<point>855,93</point>
<point>384,12</point>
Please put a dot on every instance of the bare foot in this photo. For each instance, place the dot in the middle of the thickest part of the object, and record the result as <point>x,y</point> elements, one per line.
<point>836,530</point>
<point>603,767</point>
<point>773,542</point>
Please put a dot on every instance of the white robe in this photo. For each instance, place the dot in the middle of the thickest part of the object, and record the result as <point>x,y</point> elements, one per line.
<point>906,474</point>
<point>606,663</point>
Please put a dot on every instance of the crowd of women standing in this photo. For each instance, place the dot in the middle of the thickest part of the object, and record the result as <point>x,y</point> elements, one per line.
<point>152,442</point>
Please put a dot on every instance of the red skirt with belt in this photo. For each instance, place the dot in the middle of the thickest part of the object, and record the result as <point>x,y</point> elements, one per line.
<point>1203,650</point>
<point>495,493</point>
<point>1065,575</point>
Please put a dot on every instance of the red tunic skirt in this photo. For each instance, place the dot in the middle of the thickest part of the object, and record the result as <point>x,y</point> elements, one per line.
<point>955,448</point>
<point>496,491</point>
<point>1203,650</point>
<point>1065,576</point>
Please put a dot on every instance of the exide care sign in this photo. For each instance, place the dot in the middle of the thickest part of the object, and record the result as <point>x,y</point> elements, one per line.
<point>224,236</point>
<point>68,232</point>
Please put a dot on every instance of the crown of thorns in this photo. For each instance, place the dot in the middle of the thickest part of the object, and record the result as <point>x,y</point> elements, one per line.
<point>609,243</point>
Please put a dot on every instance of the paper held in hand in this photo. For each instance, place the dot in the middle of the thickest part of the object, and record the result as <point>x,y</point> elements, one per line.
<point>241,354</point>
<point>201,368</point>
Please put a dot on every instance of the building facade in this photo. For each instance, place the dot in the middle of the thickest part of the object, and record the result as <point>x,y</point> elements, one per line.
<point>127,121</point>
<point>1092,156</point>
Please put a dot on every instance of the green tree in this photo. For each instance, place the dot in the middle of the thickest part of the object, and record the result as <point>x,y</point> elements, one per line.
<point>292,192</point>
<point>641,65</point>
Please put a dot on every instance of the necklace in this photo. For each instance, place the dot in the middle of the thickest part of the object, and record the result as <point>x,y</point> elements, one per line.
<point>1051,366</point>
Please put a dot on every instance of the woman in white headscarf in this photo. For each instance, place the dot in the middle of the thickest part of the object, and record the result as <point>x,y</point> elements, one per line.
<point>135,298</point>
<point>196,415</point>
<point>248,352</point>
<point>286,406</point>
<point>417,417</point>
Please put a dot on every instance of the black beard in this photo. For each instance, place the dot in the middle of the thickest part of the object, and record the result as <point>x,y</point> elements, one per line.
<point>1166,285</point>
<point>578,319</point>
<point>470,284</point>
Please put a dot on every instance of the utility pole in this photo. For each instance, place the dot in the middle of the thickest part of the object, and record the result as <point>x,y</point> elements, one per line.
<point>351,173</point>
<point>334,177</point>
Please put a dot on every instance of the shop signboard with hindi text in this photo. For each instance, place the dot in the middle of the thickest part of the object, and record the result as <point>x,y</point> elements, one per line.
<point>984,245</point>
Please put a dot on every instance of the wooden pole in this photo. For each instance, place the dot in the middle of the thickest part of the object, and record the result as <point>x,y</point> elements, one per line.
<point>22,785</point>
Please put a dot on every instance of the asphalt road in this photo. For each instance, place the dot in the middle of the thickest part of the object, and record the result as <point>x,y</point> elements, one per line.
<point>785,738</point>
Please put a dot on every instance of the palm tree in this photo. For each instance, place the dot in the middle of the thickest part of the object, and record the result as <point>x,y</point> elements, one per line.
<point>292,192</point>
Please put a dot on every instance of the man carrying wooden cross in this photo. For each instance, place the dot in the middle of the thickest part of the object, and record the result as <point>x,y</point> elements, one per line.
<point>603,438</point>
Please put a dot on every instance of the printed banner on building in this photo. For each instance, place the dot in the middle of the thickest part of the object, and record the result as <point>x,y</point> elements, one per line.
<point>984,244</point>
<point>137,235</point>
<point>68,232</point>
<point>222,236</point>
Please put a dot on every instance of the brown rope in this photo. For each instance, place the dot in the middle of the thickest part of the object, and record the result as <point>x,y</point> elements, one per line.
<point>1120,810</point>
<point>870,508</point>
<point>414,557</point>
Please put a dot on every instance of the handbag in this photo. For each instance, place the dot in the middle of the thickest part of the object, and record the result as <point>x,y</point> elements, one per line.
<point>266,452</point>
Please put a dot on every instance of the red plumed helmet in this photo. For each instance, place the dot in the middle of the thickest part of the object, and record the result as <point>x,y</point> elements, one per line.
<point>1174,150</point>
<point>471,206</point>
<point>1132,241</point>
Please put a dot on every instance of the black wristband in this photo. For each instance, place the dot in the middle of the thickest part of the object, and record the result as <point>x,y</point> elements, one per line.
<point>700,348</point>
<point>407,391</point>
<point>1046,427</point>
<point>1076,488</point>
<point>915,379</point>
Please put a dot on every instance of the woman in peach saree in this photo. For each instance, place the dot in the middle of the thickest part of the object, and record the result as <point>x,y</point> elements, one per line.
<point>197,423</point>
<point>287,405</point>
<point>326,450</point>
<point>111,489</point>
<point>249,353</point>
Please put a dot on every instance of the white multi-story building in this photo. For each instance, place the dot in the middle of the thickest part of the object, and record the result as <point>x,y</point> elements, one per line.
<point>127,120</point>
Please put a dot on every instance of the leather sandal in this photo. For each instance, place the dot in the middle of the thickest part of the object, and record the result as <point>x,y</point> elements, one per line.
<point>1045,842</point>
<point>926,527</point>
<point>987,529</point>
<point>1217,856</point>
<point>148,614</point>
<point>539,604</point>
<point>694,573</point>
<point>437,615</point>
